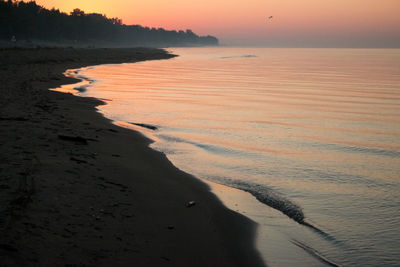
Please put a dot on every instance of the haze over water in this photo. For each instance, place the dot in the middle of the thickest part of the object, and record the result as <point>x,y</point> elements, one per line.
<point>311,130</point>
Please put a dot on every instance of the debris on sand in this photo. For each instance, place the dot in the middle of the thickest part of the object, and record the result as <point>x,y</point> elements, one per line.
<point>79,161</point>
<point>190,204</point>
<point>77,139</point>
<point>144,125</point>
<point>13,119</point>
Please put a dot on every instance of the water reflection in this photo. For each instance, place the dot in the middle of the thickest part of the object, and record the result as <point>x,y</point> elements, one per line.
<point>319,128</point>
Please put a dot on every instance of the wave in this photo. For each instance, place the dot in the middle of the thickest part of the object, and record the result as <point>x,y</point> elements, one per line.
<point>275,200</point>
<point>77,75</point>
<point>145,125</point>
<point>272,199</point>
<point>262,193</point>
<point>241,56</point>
<point>214,149</point>
<point>313,252</point>
<point>352,149</point>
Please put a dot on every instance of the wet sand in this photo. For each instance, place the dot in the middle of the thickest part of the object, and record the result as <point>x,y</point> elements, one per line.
<point>76,190</point>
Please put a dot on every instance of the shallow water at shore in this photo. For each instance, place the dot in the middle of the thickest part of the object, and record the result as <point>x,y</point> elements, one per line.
<point>313,133</point>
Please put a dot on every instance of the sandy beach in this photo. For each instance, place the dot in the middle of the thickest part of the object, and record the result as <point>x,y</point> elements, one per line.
<point>76,190</point>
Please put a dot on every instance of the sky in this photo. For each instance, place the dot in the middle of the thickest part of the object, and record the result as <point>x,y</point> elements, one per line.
<point>295,23</point>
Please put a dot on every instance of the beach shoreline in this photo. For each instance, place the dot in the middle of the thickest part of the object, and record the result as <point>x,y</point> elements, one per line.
<point>78,190</point>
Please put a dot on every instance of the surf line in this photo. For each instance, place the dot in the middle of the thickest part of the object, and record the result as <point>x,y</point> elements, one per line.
<point>313,252</point>
<point>276,201</point>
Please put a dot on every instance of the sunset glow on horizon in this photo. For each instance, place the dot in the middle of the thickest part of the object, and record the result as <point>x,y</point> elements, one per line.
<point>341,23</point>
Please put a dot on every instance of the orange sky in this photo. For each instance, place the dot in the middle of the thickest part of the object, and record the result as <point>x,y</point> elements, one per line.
<point>295,22</point>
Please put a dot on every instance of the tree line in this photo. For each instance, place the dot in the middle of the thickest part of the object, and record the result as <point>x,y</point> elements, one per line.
<point>28,21</point>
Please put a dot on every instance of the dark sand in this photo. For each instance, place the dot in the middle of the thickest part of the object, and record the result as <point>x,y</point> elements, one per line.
<point>105,199</point>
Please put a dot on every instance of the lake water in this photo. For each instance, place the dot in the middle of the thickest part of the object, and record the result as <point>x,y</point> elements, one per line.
<point>313,134</point>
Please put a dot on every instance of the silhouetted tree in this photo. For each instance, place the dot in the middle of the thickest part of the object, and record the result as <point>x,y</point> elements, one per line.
<point>27,20</point>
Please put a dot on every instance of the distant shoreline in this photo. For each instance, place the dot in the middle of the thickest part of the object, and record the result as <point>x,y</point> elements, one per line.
<point>80,28</point>
<point>79,190</point>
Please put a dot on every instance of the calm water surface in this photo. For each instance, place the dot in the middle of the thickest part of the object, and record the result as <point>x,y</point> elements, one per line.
<point>313,133</point>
